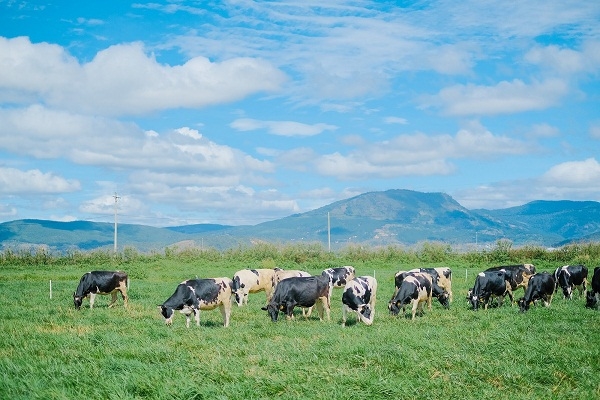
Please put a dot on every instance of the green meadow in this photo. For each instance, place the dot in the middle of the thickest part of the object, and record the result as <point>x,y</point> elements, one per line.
<point>48,350</point>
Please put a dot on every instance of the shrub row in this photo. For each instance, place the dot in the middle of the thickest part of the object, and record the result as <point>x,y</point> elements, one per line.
<point>271,255</point>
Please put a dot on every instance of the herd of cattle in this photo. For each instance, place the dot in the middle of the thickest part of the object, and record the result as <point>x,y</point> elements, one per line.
<point>287,289</point>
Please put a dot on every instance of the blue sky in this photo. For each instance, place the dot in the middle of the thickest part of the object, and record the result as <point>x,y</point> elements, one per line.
<point>240,112</point>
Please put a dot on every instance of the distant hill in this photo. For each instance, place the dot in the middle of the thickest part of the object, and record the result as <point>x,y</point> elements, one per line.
<point>392,217</point>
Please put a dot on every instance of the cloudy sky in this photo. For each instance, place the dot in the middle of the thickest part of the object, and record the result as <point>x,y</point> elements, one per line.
<point>240,112</point>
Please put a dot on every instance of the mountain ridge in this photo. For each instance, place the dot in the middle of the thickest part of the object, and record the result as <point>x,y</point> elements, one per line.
<point>391,217</point>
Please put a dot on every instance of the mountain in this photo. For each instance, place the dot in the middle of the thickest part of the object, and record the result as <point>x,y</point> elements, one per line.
<point>392,217</point>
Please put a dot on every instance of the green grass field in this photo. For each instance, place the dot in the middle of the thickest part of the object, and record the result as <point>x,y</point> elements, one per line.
<point>48,350</point>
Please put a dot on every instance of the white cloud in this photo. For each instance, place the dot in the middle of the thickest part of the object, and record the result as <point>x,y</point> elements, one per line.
<point>7,211</point>
<point>395,120</point>
<point>543,131</point>
<point>504,98</point>
<point>574,180</point>
<point>565,60</point>
<point>17,182</point>
<point>44,133</point>
<point>124,80</point>
<point>281,128</point>
<point>105,205</point>
<point>574,174</point>
<point>418,154</point>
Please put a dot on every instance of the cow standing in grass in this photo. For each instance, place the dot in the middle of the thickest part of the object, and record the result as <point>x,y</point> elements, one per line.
<point>593,295</point>
<point>101,282</point>
<point>541,286</point>
<point>194,295</point>
<point>488,285</point>
<point>360,295</point>
<point>436,291</point>
<point>302,292</point>
<point>248,281</point>
<point>570,277</point>
<point>415,289</point>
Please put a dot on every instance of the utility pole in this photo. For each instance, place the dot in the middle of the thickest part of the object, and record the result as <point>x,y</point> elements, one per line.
<point>115,239</point>
<point>328,233</point>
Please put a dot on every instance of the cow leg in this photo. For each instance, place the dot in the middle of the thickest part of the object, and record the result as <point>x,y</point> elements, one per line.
<point>320,310</point>
<point>344,313</point>
<point>225,312</point>
<point>415,304</point>
<point>124,294</point>
<point>113,298</point>
<point>125,299</point>
<point>289,311</point>
<point>92,298</point>
<point>307,312</point>
<point>327,305</point>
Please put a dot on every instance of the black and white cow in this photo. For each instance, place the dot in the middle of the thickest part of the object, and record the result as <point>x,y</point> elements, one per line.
<point>360,296</point>
<point>248,281</point>
<point>194,295</point>
<point>304,291</point>
<point>593,296</point>
<point>340,276</point>
<point>436,291</point>
<point>489,284</point>
<point>416,289</point>
<point>101,282</point>
<point>281,274</point>
<point>570,277</point>
<point>516,275</point>
<point>541,286</point>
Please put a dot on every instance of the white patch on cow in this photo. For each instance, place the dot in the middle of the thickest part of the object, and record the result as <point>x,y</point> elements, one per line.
<point>481,274</point>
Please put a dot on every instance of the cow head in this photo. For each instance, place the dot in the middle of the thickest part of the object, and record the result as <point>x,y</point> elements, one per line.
<point>273,310</point>
<point>591,299</point>
<point>393,307</point>
<point>474,300</point>
<point>167,313</point>
<point>567,291</point>
<point>523,305</point>
<point>77,300</point>
<point>444,300</point>
<point>365,312</point>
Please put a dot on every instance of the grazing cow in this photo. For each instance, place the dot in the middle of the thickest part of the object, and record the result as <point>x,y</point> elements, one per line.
<point>282,274</point>
<point>489,284</point>
<point>303,291</point>
<point>360,295</point>
<point>416,289</point>
<point>101,282</point>
<point>593,296</point>
<point>541,286</point>
<point>194,295</point>
<point>516,275</point>
<point>248,281</point>
<point>570,277</point>
<point>436,291</point>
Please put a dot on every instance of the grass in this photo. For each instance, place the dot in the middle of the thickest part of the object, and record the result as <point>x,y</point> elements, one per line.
<point>49,350</point>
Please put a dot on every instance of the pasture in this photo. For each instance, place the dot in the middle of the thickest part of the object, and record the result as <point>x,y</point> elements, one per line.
<point>48,350</point>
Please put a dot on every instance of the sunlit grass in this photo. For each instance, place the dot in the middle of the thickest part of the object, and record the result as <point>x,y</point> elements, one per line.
<point>49,350</point>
